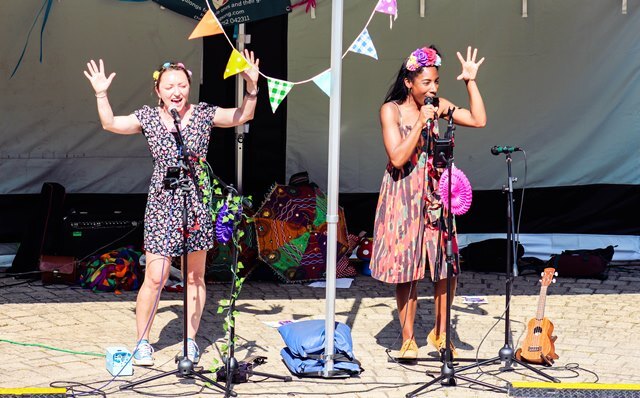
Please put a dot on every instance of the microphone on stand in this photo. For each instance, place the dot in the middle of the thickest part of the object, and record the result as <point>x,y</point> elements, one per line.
<point>497,150</point>
<point>428,101</point>
<point>176,116</point>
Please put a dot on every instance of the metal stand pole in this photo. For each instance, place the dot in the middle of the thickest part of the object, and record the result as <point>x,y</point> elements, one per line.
<point>506,353</point>
<point>448,372</point>
<point>185,365</point>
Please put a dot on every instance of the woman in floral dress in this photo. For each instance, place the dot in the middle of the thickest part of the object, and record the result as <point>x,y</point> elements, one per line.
<point>408,216</point>
<point>163,216</point>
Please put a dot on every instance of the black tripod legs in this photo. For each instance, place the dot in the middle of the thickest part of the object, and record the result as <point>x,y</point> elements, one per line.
<point>240,372</point>
<point>448,376</point>
<point>184,370</point>
<point>507,356</point>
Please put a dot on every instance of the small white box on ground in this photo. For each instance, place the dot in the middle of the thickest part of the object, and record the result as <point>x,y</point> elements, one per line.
<point>119,361</point>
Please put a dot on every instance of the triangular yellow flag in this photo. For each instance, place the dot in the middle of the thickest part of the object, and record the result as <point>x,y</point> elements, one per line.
<point>236,64</point>
<point>208,26</point>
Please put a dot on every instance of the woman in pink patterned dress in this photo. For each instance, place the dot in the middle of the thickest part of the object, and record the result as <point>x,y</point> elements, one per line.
<point>408,216</point>
<point>163,217</point>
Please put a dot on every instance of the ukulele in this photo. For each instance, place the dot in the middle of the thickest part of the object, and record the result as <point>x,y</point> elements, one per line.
<point>537,346</point>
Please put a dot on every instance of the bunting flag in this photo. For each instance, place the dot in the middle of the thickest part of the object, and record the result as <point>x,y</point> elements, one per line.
<point>364,45</point>
<point>323,81</point>
<point>278,90</point>
<point>388,7</point>
<point>208,26</point>
<point>237,63</point>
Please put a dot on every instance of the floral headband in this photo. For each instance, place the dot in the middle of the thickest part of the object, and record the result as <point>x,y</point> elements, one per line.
<point>167,65</point>
<point>422,57</point>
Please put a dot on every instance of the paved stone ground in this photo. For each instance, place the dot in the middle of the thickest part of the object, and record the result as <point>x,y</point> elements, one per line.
<point>597,324</point>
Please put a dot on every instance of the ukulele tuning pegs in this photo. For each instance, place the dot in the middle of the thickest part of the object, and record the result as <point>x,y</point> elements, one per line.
<point>553,280</point>
<point>555,274</point>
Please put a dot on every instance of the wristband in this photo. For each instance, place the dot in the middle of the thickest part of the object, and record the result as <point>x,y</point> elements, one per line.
<point>252,95</point>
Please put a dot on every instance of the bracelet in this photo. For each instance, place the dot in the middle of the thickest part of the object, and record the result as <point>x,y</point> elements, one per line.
<point>252,95</point>
<point>104,94</point>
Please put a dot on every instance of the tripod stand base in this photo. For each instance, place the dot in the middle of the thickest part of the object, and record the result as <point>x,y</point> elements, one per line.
<point>448,377</point>
<point>185,370</point>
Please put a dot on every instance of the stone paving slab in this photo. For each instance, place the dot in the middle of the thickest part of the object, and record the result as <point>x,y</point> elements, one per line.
<point>597,324</point>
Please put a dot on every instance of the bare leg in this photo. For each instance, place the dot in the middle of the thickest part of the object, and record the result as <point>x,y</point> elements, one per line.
<point>155,276</point>
<point>407,301</point>
<point>196,291</point>
<point>440,301</point>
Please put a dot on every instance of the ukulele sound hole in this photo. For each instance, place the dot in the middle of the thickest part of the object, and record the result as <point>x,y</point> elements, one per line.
<point>537,330</point>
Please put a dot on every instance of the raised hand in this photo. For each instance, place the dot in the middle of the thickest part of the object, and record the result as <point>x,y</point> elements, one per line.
<point>99,81</point>
<point>469,66</point>
<point>251,75</point>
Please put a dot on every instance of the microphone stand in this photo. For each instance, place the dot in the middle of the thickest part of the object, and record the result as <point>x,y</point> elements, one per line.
<point>506,353</point>
<point>185,367</point>
<point>235,371</point>
<point>444,153</point>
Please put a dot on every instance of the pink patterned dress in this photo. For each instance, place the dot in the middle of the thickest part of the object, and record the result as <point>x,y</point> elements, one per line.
<point>408,221</point>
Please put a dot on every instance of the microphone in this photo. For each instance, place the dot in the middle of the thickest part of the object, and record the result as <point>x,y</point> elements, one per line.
<point>246,202</point>
<point>497,150</point>
<point>429,101</point>
<point>175,114</point>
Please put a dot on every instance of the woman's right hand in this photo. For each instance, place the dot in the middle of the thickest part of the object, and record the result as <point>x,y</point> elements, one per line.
<point>99,81</point>
<point>428,112</point>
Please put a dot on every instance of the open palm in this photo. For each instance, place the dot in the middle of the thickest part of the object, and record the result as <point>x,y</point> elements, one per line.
<point>251,75</point>
<point>469,65</point>
<point>99,81</point>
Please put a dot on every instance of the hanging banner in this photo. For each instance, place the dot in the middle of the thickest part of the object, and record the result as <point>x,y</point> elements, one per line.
<point>229,12</point>
<point>232,12</point>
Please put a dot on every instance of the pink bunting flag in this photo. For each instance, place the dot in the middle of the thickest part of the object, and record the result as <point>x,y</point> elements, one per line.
<point>388,7</point>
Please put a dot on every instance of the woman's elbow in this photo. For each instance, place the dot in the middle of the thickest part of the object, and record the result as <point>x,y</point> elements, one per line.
<point>246,118</point>
<point>397,163</point>
<point>479,122</point>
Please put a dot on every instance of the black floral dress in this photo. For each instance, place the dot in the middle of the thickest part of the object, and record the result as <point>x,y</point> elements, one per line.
<point>163,216</point>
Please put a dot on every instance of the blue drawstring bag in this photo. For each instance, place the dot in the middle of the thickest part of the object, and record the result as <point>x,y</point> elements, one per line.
<point>304,351</point>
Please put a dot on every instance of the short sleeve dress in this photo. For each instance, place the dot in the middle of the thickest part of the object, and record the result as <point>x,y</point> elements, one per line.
<point>163,215</point>
<point>408,221</point>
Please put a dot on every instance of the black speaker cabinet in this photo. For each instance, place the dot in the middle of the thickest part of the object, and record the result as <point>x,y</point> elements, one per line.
<point>42,235</point>
<point>85,234</point>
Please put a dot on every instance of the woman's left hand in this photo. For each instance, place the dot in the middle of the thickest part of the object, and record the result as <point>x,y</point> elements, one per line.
<point>251,75</point>
<point>469,66</point>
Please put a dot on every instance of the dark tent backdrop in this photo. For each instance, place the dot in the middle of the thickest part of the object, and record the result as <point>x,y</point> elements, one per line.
<point>562,83</point>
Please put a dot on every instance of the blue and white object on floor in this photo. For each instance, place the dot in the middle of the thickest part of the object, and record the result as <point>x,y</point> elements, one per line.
<point>119,361</point>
